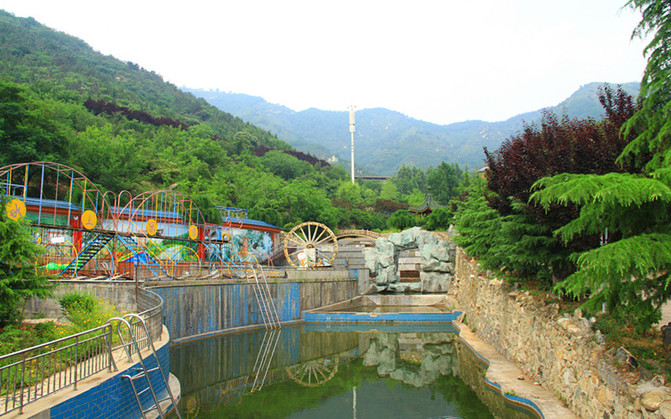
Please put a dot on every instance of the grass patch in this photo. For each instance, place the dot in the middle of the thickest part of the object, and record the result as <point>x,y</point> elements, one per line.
<point>647,347</point>
<point>82,311</point>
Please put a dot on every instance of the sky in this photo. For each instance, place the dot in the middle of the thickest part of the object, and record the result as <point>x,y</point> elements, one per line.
<point>440,61</point>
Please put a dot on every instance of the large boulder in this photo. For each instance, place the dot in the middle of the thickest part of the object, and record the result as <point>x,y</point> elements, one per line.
<point>387,252</point>
<point>433,282</point>
<point>436,261</point>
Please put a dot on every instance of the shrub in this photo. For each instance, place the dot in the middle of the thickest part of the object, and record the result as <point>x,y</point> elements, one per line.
<point>77,301</point>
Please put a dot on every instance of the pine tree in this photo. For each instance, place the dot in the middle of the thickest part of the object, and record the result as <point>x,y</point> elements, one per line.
<point>19,277</point>
<point>630,273</point>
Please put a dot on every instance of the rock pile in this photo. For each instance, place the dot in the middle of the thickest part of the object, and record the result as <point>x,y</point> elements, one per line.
<point>436,267</point>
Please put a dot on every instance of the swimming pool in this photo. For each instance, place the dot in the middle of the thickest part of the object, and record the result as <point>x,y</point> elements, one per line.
<point>332,371</point>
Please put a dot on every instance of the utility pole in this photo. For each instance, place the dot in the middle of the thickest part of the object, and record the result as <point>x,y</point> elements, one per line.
<point>351,131</point>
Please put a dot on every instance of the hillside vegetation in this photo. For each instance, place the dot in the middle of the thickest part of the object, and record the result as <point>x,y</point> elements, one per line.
<point>127,129</point>
<point>387,140</point>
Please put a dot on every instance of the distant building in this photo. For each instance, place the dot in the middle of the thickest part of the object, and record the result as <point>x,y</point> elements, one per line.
<point>426,207</point>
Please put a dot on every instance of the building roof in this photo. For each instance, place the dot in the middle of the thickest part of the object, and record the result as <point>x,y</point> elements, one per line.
<point>248,222</point>
<point>427,206</point>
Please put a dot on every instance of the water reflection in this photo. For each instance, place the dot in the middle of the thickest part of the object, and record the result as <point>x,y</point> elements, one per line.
<point>295,373</point>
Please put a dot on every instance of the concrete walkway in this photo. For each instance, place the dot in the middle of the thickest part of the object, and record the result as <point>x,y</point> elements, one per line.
<point>41,408</point>
<point>507,375</point>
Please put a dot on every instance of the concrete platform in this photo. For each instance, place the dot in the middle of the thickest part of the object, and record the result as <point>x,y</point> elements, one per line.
<point>511,381</point>
<point>385,309</point>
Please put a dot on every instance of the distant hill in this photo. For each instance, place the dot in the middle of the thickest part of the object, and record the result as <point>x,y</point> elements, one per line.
<point>128,130</point>
<point>385,140</point>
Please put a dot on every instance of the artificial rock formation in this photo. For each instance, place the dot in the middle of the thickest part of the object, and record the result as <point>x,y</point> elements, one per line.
<point>436,268</point>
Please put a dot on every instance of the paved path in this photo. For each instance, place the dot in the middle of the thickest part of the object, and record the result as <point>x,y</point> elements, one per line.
<point>506,374</point>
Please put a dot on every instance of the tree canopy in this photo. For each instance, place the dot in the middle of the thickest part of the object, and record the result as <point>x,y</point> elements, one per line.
<point>629,273</point>
<point>19,277</point>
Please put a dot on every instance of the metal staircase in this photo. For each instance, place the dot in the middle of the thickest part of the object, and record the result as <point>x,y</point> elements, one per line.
<point>263,297</point>
<point>89,250</point>
<point>134,323</point>
<point>135,248</point>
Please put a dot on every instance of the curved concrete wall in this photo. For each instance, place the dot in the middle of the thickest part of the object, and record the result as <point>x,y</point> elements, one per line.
<point>194,309</point>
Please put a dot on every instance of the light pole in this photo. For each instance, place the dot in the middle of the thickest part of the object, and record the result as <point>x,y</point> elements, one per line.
<point>351,131</point>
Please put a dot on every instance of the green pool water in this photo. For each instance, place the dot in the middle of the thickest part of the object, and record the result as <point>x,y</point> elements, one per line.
<point>298,373</point>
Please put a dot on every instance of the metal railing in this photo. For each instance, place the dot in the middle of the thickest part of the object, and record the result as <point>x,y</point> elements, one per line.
<point>36,372</point>
<point>150,306</point>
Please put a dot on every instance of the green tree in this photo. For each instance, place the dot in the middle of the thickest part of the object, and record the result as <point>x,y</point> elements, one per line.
<point>439,219</point>
<point>630,273</point>
<point>350,192</point>
<point>408,179</point>
<point>416,197</point>
<point>285,166</point>
<point>443,182</point>
<point>401,219</point>
<point>28,131</point>
<point>19,277</point>
<point>389,191</point>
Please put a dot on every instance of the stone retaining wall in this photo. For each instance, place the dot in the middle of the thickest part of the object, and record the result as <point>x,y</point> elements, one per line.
<point>558,351</point>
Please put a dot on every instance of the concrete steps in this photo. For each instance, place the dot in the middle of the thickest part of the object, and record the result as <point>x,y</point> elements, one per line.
<point>350,257</point>
<point>408,265</point>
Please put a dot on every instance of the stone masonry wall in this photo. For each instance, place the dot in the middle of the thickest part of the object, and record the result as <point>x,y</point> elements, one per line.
<point>560,351</point>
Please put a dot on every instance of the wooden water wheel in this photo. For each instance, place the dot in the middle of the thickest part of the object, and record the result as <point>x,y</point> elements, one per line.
<point>310,244</point>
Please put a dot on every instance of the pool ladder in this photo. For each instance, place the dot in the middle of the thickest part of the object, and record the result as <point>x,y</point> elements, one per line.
<point>264,358</point>
<point>262,292</point>
<point>131,321</point>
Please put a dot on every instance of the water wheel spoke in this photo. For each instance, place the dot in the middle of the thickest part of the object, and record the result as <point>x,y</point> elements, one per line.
<point>320,236</point>
<point>295,252</point>
<point>308,237</point>
<point>326,255</point>
<point>325,239</point>
<point>297,240</point>
<point>305,236</point>
<point>304,371</point>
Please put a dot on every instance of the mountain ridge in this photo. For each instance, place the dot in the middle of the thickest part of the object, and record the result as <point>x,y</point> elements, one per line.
<point>386,139</point>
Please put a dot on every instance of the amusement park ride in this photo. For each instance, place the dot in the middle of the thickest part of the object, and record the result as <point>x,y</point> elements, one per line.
<point>153,235</point>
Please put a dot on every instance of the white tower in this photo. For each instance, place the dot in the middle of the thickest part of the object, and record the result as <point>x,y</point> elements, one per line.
<point>351,131</point>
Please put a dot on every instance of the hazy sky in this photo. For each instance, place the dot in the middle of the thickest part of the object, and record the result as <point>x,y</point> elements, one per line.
<point>437,60</point>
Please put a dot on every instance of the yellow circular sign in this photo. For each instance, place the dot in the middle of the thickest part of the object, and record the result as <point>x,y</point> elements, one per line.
<point>193,232</point>
<point>89,219</point>
<point>15,210</point>
<point>152,227</point>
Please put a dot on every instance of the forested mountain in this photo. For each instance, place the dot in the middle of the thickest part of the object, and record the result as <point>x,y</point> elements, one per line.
<point>385,139</point>
<point>125,128</point>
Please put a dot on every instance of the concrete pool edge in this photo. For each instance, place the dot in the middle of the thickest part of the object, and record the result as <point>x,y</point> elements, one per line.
<point>345,311</point>
<point>504,377</point>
